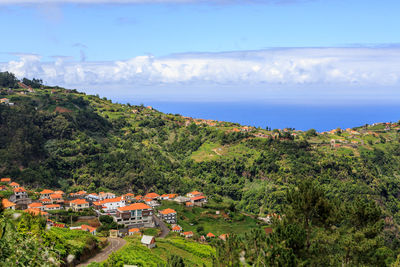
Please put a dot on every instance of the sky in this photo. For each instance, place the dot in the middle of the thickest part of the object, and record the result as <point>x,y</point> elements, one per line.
<point>281,52</point>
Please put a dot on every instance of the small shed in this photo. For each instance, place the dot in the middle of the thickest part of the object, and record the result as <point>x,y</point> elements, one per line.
<point>113,233</point>
<point>149,241</point>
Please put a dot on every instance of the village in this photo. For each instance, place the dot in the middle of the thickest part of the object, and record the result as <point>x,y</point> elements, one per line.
<point>132,213</point>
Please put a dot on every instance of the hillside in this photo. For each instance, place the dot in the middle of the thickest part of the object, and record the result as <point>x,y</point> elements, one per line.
<point>338,191</point>
<point>62,138</point>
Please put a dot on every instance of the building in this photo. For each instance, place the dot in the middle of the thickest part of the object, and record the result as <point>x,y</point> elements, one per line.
<point>14,185</point>
<point>110,205</point>
<point>7,204</point>
<point>36,205</point>
<point>134,231</point>
<point>52,207</point>
<point>79,204</point>
<point>45,201</point>
<point>210,235</point>
<point>194,194</point>
<point>199,200</point>
<point>168,215</point>
<point>181,199</point>
<point>149,241</point>
<point>4,101</point>
<point>3,188</point>
<point>189,204</point>
<point>59,192</point>
<point>46,193</point>
<point>187,234</point>
<point>5,180</point>
<point>176,228</point>
<point>107,195</point>
<point>79,194</point>
<point>113,233</point>
<point>223,237</point>
<point>56,198</point>
<point>129,197</point>
<point>36,212</point>
<point>152,196</point>
<point>138,214</point>
<point>89,229</point>
<point>20,193</point>
<point>92,197</point>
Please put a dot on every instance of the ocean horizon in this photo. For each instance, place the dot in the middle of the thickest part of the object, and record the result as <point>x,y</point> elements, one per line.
<point>279,116</point>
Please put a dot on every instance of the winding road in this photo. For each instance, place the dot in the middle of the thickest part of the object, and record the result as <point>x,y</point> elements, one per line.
<point>164,229</point>
<point>114,245</point>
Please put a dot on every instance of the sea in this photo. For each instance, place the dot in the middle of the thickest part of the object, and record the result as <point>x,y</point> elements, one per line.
<point>299,117</point>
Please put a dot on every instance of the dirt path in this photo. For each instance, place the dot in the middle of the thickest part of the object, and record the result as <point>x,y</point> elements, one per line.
<point>216,150</point>
<point>163,227</point>
<point>115,244</point>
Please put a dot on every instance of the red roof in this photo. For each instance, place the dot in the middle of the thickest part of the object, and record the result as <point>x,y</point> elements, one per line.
<point>35,212</point>
<point>14,184</point>
<point>55,196</point>
<point>135,206</point>
<point>19,189</point>
<point>79,201</point>
<point>210,235</point>
<point>197,198</point>
<point>5,180</point>
<point>45,200</point>
<point>176,228</point>
<point>196,193</point>
<point>134,230</point>
<point>47,191</point>
<point>167,211</point>
<point>52,206</point>
<point>188,233</point>
<point>7,203</point>
<point>151,195</point>
<point>88,228</point>
<point>109,200</point>
<point>35,205</point>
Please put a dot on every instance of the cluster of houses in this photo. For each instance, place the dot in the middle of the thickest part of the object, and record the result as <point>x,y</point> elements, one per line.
<point>6,101</point>
<point>132,211</point>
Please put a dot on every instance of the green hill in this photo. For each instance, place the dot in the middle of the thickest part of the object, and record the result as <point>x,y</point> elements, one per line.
<point>338,192</point>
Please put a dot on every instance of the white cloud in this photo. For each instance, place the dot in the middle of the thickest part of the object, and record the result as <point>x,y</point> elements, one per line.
<point>349,66</point>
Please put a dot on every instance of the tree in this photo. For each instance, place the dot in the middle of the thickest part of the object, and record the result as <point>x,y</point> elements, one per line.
<point>308,204</point>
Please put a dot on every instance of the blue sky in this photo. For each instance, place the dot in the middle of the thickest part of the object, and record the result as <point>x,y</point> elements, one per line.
<point>122,31</point>
<point>283,51</point>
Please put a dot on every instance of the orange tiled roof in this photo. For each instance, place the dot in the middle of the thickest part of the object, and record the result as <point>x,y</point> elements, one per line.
<point>210,235</point>
<point>176,228</point>
<point>197,198</point>
<point>47,191</point>
<point>172,195</point>
<point>5,180</point>
<point>55,196</point>
<point>134,230</point>
<point>129,195</point>
<point>35,205</point>
<point>151,195</point>
<point>45,200</point>
<point>7,203</point>
<point>59,192</point>
<point>138,197</point>
<point>14,184</point>
<point>35,212</point>
<point>88,228</point>
<point>196,193</point>
<point>52,206</point>
<point>109,200</point>
<point>189,204</point>
<point>19,189</point>
<point>165,195</point>
<point>167,211</point>
<point>135,206</point>
<point>79,201</point>
<point>188,233</point>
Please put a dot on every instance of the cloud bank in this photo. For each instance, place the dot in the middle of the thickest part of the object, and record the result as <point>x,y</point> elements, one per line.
<point>294,66</point>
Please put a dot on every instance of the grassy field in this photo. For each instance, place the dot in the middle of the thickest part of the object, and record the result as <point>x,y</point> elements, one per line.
<point>206,220</point>
<point>134,253</point>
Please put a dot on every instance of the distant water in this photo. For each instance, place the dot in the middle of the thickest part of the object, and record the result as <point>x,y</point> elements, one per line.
<point>321,118</point>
